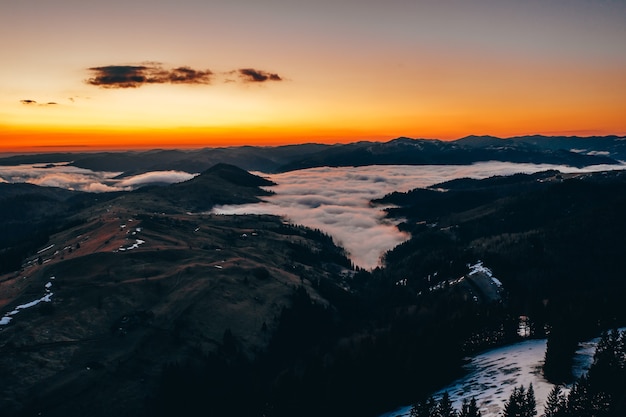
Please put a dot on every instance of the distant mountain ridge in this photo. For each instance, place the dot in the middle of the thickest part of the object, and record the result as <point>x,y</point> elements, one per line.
<point>567,150</point>
<point>573,151</point>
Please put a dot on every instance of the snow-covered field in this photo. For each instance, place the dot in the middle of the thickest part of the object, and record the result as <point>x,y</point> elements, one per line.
<point>493,375</point>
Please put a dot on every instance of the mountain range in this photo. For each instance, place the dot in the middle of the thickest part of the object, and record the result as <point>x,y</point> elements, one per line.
<point>573,151</point>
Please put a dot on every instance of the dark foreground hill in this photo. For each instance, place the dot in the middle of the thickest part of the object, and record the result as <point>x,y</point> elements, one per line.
<point>107,311</point>
<point>146,305</point>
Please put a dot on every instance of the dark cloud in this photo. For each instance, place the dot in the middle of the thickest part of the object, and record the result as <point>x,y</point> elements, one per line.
<point>186,75</point>
<point>33,103</point>
<point>133,76</point>
<point>256,76</point>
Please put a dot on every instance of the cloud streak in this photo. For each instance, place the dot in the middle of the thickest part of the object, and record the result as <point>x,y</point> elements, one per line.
<point>28,102</point>
<point>155,177</point>
<point>133,76</point>
<point>252,75</point>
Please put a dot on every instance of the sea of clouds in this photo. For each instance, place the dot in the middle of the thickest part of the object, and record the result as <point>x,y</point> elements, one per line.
<point>337,200</point>
<point>70,177</point>
<point>334,200</point>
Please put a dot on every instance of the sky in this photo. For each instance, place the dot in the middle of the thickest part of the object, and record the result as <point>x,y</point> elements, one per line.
<point>196,73</point>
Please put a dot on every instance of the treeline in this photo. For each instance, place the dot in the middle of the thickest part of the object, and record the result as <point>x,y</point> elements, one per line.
<point>319,364</point>
<point>599,393</point>
<point>555,243</point>
<point>602,391</point>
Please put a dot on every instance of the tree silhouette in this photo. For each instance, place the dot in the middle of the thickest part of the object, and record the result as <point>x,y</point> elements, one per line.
<point>555,403</point>
<point>521,403</point>
<point>424,408</point>
<point>445,408</point>
<point>469,408</point>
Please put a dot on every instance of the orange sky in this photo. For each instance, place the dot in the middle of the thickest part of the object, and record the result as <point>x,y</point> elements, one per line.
<point>193,74</point>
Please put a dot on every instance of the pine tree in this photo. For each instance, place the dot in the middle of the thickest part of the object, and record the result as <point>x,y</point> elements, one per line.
<point>469,408</point>
<point>529,408</point>
<point>579,399</point>
<point>515,404</point>
<point>445,408</point>
<point>555,403</point>
<point>521,403</point>
<point>424,408</point>
<point>474,411</point>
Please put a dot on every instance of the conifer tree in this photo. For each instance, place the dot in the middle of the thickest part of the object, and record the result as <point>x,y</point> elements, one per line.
<point>521,403</point>
<point>515,404</point>
<point>529,408</point>
<point>424,408</point>
<point>445,408</point>
<point>579,399</point>
<point>555,403</point>
<point>469,408</point>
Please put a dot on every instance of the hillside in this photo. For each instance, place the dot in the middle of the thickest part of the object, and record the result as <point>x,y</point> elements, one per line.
<point>109,303</point>
<point>142,303</point>
<point>554,240</point>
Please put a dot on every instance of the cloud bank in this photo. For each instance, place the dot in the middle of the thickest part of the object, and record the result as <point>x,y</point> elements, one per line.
<point>337,200</point>
<point>134,76</point>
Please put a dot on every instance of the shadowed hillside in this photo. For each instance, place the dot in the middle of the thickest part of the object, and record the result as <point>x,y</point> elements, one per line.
<point>145,304</point>
<point>127,293</point>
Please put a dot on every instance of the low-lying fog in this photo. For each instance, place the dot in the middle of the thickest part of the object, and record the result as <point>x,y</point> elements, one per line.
<point>63,175</point>
<point>337,200</point>
<point>334,200</point>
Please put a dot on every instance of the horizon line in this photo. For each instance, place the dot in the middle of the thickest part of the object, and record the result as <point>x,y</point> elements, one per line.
<point>78,148</point>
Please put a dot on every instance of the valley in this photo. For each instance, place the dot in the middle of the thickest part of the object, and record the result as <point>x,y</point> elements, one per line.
<point>151,298</point>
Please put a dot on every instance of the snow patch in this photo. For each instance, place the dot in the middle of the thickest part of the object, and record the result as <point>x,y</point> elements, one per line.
<point>45,299</point>
<point>478,267</point>
<point>45,249</point>
<point>138,242</point>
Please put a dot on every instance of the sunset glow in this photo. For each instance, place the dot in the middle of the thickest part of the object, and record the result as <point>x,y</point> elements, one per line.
<point>223,73</point>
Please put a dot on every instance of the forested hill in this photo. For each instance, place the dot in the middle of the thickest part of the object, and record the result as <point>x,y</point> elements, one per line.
<point>406,151</point>
<point>556,241</point>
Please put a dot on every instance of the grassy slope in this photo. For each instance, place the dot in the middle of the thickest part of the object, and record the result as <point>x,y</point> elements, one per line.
<point>118,317</point>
